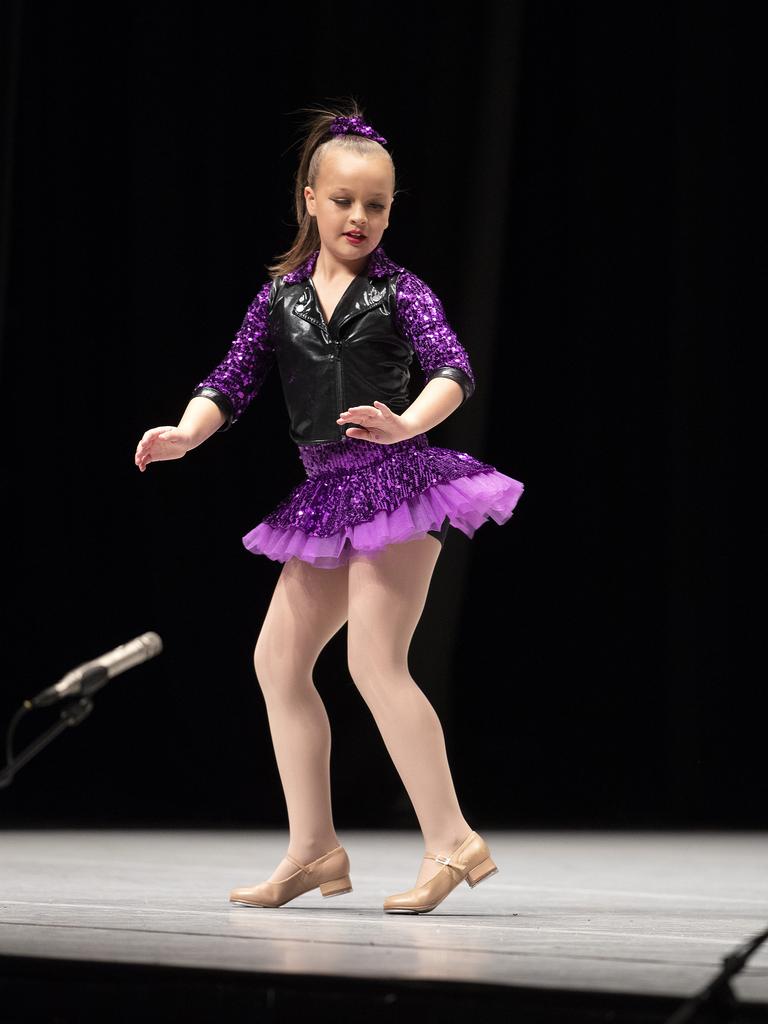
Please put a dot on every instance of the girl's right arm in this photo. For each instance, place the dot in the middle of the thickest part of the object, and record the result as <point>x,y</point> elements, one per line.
<point>201,419</point>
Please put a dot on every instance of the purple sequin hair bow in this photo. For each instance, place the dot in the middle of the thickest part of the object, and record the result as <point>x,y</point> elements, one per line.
<point>342,125</point>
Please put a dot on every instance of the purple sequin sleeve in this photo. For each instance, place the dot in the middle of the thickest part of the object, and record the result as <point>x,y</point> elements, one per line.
<point>236,381</point>
<point>421,320</point>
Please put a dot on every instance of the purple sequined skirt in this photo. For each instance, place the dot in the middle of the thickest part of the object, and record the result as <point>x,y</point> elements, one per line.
<point>359,496</point>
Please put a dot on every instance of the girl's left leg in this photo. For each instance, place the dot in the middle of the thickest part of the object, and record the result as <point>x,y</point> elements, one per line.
<point>387,595</point>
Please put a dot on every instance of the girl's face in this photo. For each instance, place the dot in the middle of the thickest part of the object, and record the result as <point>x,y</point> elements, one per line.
<point>353,193</point>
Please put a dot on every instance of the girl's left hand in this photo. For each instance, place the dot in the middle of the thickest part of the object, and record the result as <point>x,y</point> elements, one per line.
<point>378,423</point>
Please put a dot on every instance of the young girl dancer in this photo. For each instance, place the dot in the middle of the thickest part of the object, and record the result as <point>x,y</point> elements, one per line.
<point>360,536</point>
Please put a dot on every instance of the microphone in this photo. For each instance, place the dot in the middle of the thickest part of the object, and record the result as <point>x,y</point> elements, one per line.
<point>92,675</point>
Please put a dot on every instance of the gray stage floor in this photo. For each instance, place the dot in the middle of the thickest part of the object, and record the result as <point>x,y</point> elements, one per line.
<point>615,912</point>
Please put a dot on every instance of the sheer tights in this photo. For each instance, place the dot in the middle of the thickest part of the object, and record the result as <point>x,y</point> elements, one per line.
<point>381,600</point>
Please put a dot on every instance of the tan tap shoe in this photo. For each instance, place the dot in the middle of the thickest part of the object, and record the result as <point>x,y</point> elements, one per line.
<point>471,860</point>
<point>330,872</point>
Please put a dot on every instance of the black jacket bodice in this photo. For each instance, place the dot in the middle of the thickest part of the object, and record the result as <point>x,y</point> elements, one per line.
<point>363,354</point>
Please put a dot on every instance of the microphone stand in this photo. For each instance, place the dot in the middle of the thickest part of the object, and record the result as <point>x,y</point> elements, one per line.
<point>73,713</point>
<point>717,1001</point>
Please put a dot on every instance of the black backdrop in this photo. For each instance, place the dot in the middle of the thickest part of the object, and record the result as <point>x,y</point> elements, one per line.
<point>562,171</point>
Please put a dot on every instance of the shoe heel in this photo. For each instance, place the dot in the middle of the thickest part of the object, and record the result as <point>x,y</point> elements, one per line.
<point>336,887</point>
<point>483,870</point>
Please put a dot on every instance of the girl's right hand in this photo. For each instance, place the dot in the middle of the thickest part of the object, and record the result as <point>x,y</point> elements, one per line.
<point>161,443</point>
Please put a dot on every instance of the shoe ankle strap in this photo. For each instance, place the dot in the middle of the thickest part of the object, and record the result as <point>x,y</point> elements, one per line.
<point>447,860</point>
<point>307,867</point>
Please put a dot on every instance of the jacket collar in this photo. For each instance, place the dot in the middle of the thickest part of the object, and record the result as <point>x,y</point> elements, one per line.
<point>379,265</point>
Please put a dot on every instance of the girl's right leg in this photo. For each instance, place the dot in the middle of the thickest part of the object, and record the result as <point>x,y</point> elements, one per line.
<point>308,607</point>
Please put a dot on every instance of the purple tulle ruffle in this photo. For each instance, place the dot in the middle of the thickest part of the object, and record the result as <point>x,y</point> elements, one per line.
<point>360,497</point>
<point>467,501</point>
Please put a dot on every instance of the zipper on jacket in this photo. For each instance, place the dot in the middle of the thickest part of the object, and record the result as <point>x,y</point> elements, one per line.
<point>336,356</point>
<point>339,391</point>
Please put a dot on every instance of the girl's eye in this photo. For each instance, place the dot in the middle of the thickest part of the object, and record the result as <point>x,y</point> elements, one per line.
<point>378,206</point>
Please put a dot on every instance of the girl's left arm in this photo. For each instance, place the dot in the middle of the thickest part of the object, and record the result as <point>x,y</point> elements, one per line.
<point>420,318</point>
<point>450,380</point>
<point>435,402</point>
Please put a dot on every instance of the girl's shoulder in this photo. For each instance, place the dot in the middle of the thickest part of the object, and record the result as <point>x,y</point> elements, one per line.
<point>414,292</point>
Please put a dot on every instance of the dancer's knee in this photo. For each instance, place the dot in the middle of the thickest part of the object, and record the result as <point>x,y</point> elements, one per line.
<point>359,662</point>
<point>263,662</point>
<point>373,672</point>
<point>273,671</point>
<point>279,668</point>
